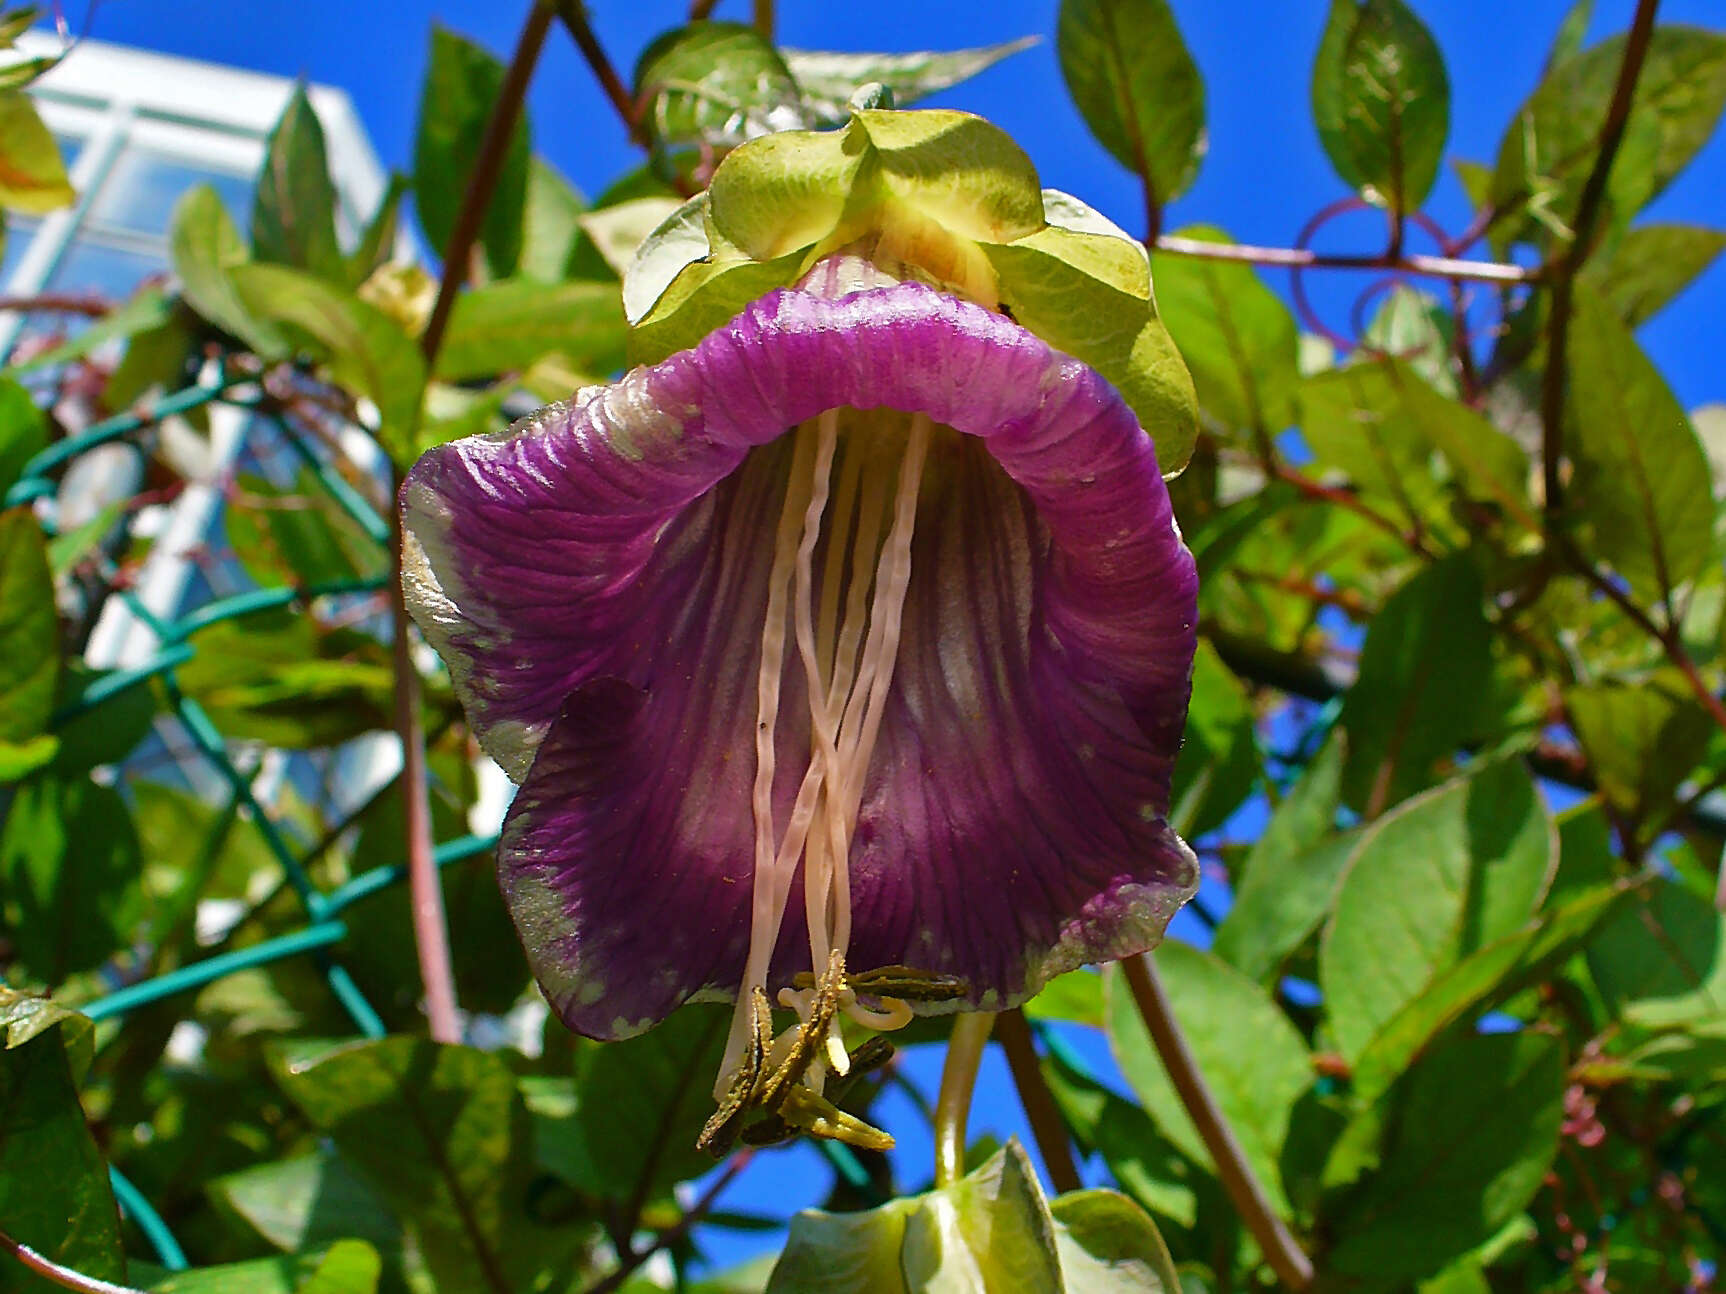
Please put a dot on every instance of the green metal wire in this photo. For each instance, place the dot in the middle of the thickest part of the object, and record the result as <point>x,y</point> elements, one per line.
<point>140,1210</point>
<point>186,978</point>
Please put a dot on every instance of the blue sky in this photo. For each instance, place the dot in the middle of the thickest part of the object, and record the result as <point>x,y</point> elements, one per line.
<point>1264,176</point>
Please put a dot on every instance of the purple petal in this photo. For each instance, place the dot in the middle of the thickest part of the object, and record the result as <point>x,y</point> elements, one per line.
<point>597,578</point>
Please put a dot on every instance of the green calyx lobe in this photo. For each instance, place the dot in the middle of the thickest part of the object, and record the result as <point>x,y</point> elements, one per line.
<point>935,195</point>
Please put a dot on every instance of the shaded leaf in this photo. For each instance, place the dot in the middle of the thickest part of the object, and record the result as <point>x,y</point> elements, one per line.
<point>23,432</point>
<point>1251,1055</point>
<point>443,1136</point>
<point>1650,266</point>
<point>1661,961</point>
<point>294,217</point>
<point>549,229</point>
<point>69,862</point>
<point>1138,1157</point>
<point>1428,884</point>
<point>378,243</point>
<point>1137,87</point>
<point>29,628</point>
<point>1291,872</point>
<point>462,83</point>
<point>1381,101</point>
<point>1643,738</point>
<point>54,1192</point>
<point>105,733</point>
<point>1423,675</point>
<point>828,78</point>
<point>307,1202</point>
<point>1641,484</point>
<point>1456,1150</point>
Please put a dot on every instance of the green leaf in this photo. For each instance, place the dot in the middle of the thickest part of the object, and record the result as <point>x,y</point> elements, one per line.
<point>1550,146</point>
<point>1643,738</point>
<point>991,1231</point>
<point>54,1192</point>
<point>294,217</point>
<point>1567,40</point>
<point>24,1016</point>
<point>378,242</point>
<point>1070,288</point>
<point>205,246</point>
<point>350,1267</point>
<point>828,78</point>
<point>1109,1245</point>
<point>1251,1055</point>
<point>442,1134</point>
<point>276,678</point>
<point>23,432</point>
<point>107,732</point>
<point>32,176</point>
<point>1642,483</point>
<point>69,863</point>
<point>549,229</point>
<point>618,231</point>
<point>715,84</point>
<point>1218,764</point>
<point>1482,980</point>
<point>1461,1146</point>
<point>367,352</point>
<point>462,84</point>
<point>642,1103</point>
<point>1660,962</point>
<point>1291,872</point>
<point>1381,101</point>
<point>1640,275</point>
<point>1236,336</point>
<point>1137,87</point>
<point>1428,884</point>
<point>1411,325</point>
<point>29,628</point>
<point>505,326</point>
<point>1076,996</point>
<point>259,1276</point>
<point>1139,1158</point>
<point>308,1202</point>
<point>1424,673</point>
<point>299,535</point>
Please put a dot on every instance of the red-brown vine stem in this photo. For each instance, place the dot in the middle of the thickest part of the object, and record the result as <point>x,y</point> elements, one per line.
<point>1286,1258</point>
<point>574,17</point>
<point>1563,273</point>
<point>431,929</point>
<point>1047,1127</point>
<point>65,1277</point>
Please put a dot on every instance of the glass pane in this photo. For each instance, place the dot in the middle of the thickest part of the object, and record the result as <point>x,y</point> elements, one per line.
<point>141,190</point>
<point>19,232</point>
<point>113,272</point>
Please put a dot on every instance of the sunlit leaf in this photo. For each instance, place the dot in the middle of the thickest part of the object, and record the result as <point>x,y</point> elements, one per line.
<point>1236,336</point>
<point>1252,1057</point>
<point>1642,484</point>
<point>1643,736</point>
<point>828,78</point>
<point>1137,87</point>
<point>1109,1245</point>
<point>23,431</point>
<point>505,326</point>
<point>549,229</point>
<point>205,245</point>
<point>1381,101</point>
<point>715,83</point>
<point>32,176</point>
<point>1429,884</point>
<point>378,242</point>
<point>29,628</point>
<point>1650,266</point>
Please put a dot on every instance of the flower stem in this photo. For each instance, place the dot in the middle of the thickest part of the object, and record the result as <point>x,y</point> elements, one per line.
<point>1047,1127</point>
<point>953,1105</point>
<point>1291,1265</point>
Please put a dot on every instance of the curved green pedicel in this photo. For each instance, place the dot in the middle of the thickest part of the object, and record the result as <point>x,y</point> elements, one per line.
<point>938,195</point>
